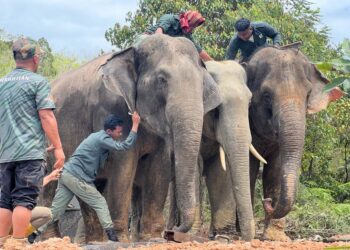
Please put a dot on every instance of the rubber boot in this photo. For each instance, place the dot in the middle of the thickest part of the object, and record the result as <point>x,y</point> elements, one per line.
<point>33,236</point>
<point>111,234</point>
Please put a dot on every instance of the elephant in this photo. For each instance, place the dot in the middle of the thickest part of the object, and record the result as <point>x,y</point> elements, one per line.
<point>166,82</point>
<point>285,87</point>
<point>225,132</point>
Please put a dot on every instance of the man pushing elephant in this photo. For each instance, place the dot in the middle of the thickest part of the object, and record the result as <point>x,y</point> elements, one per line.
<point>80,171</point>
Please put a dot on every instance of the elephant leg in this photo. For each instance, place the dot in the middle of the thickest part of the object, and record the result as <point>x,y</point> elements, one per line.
<point>172,218</point>
<point>121,169</point>
<point>154,193</point>
<point>254,165</point>
<point>198,222</point>
<point>273,228</point>
<point>222,202</point>
<point>135,215</point>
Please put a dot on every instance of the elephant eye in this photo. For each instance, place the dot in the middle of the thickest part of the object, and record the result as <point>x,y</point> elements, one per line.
<point>267,98</point>
<point>161,82</point>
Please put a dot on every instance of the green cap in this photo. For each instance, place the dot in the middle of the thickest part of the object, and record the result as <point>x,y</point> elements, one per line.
<point>25,48</point>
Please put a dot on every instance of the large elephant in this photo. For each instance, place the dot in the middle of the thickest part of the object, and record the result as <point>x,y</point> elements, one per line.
<point>285,87</point>
<point>227,126</point>
<point>166,82</point>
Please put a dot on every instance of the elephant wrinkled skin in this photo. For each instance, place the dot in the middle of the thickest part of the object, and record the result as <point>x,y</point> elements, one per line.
<point>166,82</point>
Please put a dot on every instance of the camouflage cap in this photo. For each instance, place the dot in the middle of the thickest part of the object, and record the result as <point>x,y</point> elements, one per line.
<point>25,48</point>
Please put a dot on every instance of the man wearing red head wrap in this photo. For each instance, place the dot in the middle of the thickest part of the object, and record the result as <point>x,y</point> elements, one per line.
<point>180,25</point>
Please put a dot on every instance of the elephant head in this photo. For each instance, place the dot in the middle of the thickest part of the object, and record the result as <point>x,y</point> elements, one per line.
<point>166,82</point>
<point>285,86</point>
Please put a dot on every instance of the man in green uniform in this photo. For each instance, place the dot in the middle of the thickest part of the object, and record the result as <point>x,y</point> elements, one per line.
<point>80,171</point>
<point>26,115</point>
<point>180,25</point>
<point>249,37</point>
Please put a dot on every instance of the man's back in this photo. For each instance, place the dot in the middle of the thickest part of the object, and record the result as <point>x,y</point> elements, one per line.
<point>22,94</point>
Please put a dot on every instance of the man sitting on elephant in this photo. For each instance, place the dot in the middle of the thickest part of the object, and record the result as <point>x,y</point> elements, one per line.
<point>179,25</point>
<point>80,171</point>
<point>249,37</point>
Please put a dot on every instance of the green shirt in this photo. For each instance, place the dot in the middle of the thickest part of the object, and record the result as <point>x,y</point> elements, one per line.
<point>170,25</point>
<point>91,154</point>
<point>260,33</point>
<point>22,94</point>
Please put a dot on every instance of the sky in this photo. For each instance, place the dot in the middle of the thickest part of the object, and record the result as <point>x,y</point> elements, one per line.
<point>77,27</point>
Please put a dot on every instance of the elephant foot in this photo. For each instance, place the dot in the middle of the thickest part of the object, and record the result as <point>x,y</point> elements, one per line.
<point>150,235</point>
<point>275,230</point>
<point>51,232</point>
<point>152,230</point>
<point>123,237</point>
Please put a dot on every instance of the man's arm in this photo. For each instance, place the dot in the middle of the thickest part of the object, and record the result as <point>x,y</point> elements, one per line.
<point>164,23</point>
<point>53,176</point>
<point>110,144</point>
<point>269,31</point>
<point>49,124</point>
<point>205,56</point>
<point>232,49</point>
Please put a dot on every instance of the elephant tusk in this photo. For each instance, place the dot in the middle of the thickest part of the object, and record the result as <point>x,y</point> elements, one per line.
<point>256,154</point>
<point>222,158</point>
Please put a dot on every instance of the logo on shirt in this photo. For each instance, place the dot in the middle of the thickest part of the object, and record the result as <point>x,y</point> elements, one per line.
<point>16,78</point>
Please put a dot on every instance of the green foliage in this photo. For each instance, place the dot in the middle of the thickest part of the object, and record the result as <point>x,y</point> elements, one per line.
<point>51,65</point>
<point>316,212</point>
<point>62,63</point>
<point>6,61</point>
<point>293,18</point>
<point>340,67</point>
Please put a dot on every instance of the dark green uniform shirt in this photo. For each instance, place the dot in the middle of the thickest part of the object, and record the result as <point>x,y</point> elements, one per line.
<point>22,94</point>
<point>170,24</point>
<point>91,154</point>
<point>260,33</point>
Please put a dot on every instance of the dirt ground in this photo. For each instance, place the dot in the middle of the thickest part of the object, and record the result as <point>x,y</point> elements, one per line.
<point>64,244</point>
<point>51,244</point>
<point>254,245</point>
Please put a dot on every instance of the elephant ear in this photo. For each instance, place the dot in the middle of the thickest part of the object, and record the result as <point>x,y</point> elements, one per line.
<point>211,93</point>
<point>119,76</point>
<point>318,99</point>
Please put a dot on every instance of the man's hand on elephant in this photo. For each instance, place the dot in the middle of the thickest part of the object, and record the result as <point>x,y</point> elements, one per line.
<point>159,31</point>
<point>135,121</point>
<point>60,157</point>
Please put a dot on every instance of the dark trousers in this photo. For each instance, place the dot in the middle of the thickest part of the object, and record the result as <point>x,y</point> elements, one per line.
<point>20,183</point>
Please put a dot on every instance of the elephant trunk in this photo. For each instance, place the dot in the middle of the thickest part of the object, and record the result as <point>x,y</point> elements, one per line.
<point>187,133</point>
<point>292,134</point>
<point>236,139</point>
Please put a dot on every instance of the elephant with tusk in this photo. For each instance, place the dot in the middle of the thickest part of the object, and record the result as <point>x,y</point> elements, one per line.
<point>226,136</point>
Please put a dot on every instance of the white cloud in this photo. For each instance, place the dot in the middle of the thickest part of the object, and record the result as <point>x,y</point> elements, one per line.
<point>335,15</point>
<point>71,26</point>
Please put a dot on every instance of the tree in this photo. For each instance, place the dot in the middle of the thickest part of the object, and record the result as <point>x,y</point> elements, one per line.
<point>295,19</point>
